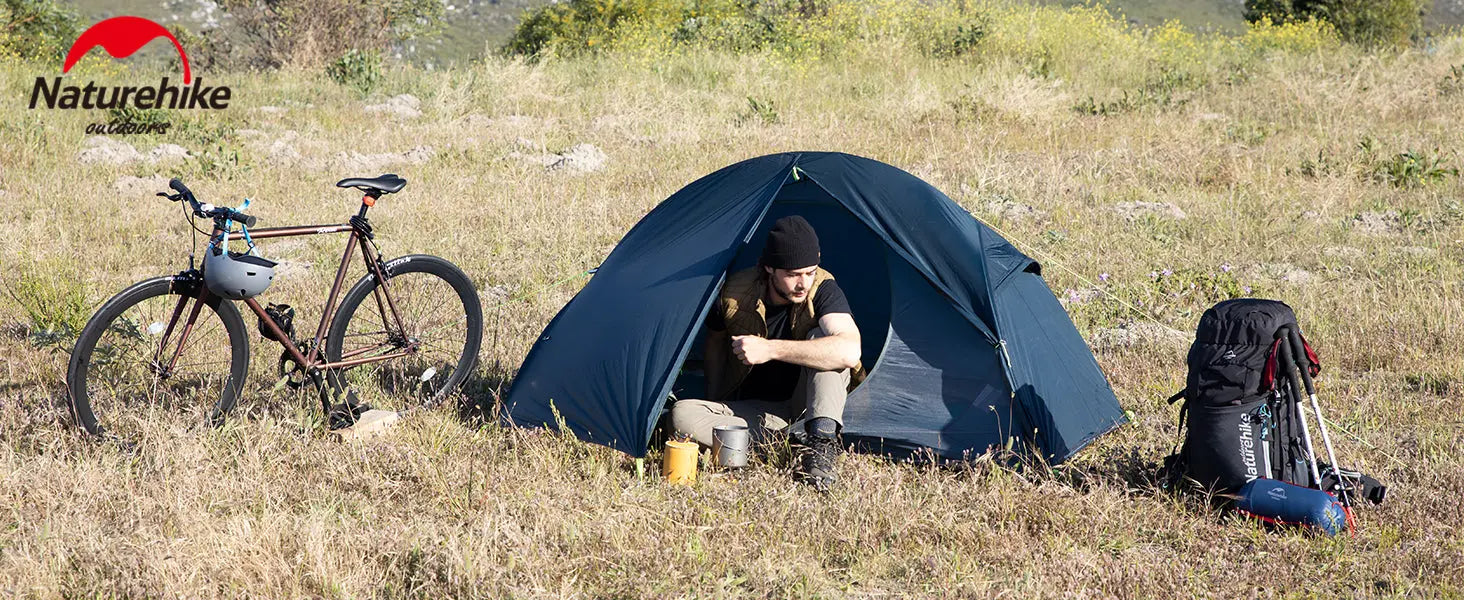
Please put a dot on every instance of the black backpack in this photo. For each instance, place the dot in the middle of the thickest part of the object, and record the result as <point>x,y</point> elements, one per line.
<point>1241,415</point>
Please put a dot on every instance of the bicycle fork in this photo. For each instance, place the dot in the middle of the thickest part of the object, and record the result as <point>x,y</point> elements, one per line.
<point>157,362</point>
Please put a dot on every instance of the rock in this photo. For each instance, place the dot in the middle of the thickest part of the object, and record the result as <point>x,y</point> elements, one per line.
<point>100,149</point>
<point>128,185</point>
<point>107,151</point>
<point>1138,333</point>
<point>1008,210</point>
<point>579,159</point>
<point>1374,223</point>
<point>281,152</point>
<point>1134,210</point>
<point>418,155</point>
<point>401,106</point>
<point>167,153</point>
<point>368,163</point>
<point>1283,272</point>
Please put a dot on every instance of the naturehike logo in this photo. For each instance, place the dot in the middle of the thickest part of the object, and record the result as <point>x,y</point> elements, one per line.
<point>1247,447</point>
<point>122,37</point>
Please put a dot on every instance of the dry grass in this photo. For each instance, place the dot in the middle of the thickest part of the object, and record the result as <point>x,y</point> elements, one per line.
<point>268,507</point>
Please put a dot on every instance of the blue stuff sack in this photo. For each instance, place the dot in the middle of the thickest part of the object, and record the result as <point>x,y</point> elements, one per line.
<point>1278,502</point>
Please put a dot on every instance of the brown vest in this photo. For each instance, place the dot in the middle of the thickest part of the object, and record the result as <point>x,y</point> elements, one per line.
<point>744,313</point>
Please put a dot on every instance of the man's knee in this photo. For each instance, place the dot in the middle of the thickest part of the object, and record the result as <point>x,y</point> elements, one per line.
<point>687,414</point>
<point>834,379</point>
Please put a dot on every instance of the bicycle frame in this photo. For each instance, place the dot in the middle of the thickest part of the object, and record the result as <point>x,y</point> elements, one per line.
<point>315,361</point>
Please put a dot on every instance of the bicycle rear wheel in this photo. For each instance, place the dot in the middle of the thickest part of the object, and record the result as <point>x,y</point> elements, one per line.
<point>128,367</point>
<point>438,339</point>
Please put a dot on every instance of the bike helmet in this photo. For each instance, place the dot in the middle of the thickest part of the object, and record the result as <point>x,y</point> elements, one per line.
<point>236,276</point>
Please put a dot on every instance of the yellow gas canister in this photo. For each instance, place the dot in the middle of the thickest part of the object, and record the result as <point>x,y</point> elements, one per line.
<point>679,463</point>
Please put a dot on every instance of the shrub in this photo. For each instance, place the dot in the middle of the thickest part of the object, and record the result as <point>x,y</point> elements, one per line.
<point>309,33</point>
<point>36,29</point>
<point>1297,36</point>
<point>1413,168</point>
<point>944,28</point>
<point>51,293</point>
<point>358,69</point>
<point>1367,22</point>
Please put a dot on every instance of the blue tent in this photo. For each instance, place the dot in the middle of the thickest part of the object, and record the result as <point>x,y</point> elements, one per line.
<point>967,347</point>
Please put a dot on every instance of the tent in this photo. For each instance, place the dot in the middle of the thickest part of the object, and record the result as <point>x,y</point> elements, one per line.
<point>966,346</point>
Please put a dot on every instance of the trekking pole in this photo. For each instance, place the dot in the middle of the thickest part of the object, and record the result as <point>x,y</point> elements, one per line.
<point>1288,363</point>
<point>1303,362</point>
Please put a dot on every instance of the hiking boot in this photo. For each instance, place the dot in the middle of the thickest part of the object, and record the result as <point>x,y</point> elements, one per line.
<point>819,463</point>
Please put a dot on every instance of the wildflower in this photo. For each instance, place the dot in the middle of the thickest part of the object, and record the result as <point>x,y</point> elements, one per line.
<point>1153,274</point>
<point>1246,289</point>
<point>1103,277</point>
<point>1167,272</point>
<point>1225,268</point>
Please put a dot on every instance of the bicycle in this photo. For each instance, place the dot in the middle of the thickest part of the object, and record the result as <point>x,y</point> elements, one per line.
<point>152,346</point>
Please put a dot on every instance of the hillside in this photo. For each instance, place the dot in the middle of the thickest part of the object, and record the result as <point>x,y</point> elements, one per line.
<point>473,27</point>
<point>1153,173</point>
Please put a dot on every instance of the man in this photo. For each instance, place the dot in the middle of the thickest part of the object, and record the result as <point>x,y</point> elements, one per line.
<point>781,346</point>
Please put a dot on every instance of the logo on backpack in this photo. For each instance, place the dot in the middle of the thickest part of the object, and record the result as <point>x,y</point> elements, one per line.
<point>1247,447</point>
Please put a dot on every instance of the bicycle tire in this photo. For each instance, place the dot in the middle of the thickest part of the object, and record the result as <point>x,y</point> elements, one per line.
<point>421,269</point>
<point>85,363</point>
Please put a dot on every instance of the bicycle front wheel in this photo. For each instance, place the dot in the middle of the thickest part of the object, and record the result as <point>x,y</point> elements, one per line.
<point>154,351</point>
<point>413,341</point>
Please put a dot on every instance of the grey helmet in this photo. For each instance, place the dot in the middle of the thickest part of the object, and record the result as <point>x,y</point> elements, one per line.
<point>236,276</point>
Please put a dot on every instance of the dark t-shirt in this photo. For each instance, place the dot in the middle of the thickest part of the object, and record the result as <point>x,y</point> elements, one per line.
<point>776,380</point>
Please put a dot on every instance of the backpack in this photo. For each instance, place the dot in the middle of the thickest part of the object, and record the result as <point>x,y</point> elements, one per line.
<point>1242,414</point>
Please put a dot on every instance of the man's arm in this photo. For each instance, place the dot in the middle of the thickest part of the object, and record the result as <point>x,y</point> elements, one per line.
<point>838,349</point>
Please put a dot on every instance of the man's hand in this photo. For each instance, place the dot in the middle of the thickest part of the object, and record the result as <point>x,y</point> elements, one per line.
<point>752,349</point>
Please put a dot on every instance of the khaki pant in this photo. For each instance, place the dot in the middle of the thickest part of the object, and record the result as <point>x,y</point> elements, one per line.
<point>818,394</point>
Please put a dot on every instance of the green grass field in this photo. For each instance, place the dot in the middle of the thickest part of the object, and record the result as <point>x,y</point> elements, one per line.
<point>1304,170</point>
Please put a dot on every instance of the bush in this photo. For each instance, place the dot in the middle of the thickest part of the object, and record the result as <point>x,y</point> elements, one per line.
<point>943,28</point>
<point>51,293</point>
<point>1367,22</point>
<point>36,29</point>
<point>310,33</point>
<point>357,69</point>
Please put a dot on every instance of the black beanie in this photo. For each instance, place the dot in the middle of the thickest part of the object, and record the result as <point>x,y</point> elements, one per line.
<point>792,244</point>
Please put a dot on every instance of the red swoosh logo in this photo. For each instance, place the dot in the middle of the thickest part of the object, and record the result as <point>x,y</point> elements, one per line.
<point>121,37</point>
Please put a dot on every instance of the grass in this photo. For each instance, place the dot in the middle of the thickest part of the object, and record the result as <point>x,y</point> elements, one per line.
<point>269,507</point>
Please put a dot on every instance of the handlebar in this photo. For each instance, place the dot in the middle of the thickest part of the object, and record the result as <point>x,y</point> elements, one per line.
<point>204,210</point>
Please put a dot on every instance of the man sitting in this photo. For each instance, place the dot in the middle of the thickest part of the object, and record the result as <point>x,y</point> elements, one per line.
<point>781,346</point>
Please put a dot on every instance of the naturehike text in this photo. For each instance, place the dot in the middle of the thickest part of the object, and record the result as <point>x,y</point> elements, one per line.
<point>146,97</point>
<point>1247,447</point>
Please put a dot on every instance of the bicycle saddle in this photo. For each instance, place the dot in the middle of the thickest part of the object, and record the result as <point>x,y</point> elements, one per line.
<point>389,183</point>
